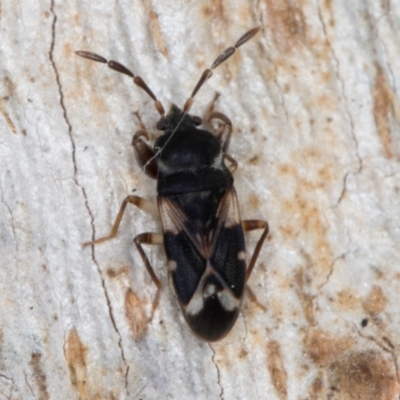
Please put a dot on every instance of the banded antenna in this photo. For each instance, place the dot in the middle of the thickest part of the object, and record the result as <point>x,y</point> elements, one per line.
<point>137,80</point>
<point>220,59</point>
<point>116,66</point>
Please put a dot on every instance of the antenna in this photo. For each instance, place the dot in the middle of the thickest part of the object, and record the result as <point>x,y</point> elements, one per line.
<point>220,59</point>
<point>116,66</point>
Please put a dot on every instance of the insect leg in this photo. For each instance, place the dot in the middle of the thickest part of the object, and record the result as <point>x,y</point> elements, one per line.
<point>135,200</point>
<point>224,133</point>
<point>253,297</point>
<point>150,238</point>
<point>251,225</point>
<point>145,155</point>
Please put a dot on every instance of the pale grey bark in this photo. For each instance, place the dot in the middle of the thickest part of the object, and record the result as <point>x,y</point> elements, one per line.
<point>315,107</point>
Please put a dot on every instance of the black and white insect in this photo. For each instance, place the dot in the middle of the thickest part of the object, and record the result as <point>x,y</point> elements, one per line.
<point>203,234</point>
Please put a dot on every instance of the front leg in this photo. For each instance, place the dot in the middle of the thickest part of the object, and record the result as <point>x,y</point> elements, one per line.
<point>224,133</point>
<point>145,155</point>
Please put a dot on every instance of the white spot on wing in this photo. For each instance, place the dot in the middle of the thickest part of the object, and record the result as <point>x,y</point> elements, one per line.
<point>232,217</point>
<point>209,290</point>
<point>196,303</point>
<point>228,300</point>
<point>171,265</point>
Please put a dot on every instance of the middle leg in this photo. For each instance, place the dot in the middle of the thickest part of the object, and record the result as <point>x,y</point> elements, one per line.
<point>135,200</point>
<point>150,238</point>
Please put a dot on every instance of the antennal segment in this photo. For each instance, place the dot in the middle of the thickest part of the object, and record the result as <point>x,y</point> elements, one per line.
<point>116,66</point>
<point>220,59</point>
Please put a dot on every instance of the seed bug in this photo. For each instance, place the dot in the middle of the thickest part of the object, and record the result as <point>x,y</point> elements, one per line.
<point>203,234</point>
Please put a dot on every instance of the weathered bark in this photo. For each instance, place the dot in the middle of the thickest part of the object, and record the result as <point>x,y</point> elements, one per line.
<point>314,103</point>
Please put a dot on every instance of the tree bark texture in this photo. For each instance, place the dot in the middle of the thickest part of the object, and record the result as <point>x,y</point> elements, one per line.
<point>314,101</point>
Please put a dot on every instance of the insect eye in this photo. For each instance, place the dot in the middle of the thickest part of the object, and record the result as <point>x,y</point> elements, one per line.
<point>161,124</point>
<point>196,120</point>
